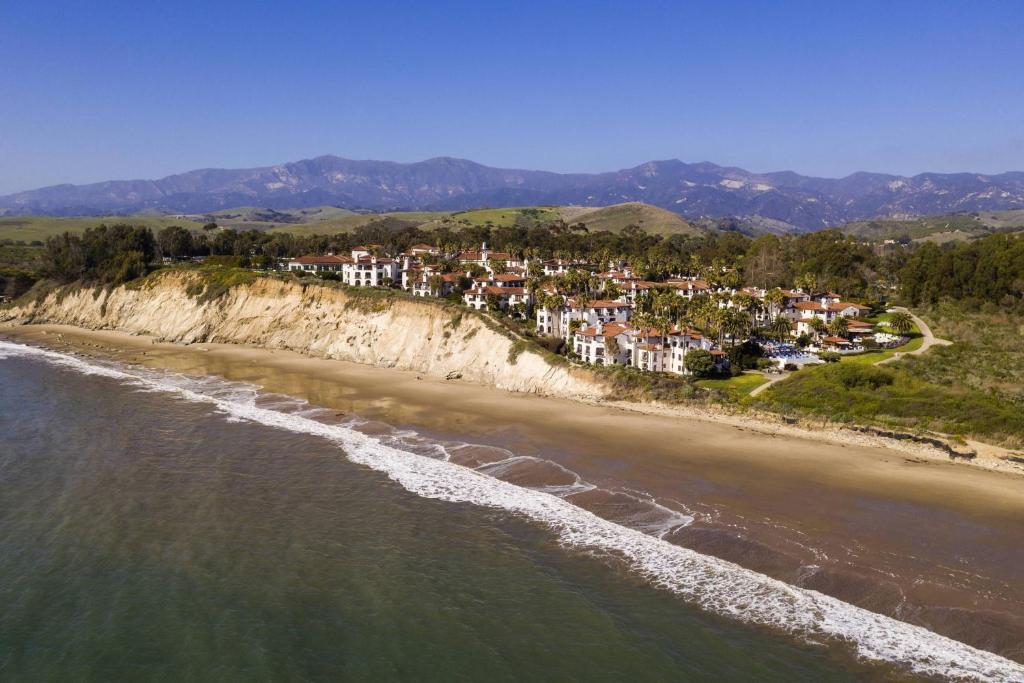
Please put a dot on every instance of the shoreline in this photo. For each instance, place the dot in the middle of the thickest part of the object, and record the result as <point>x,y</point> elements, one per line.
<point>876,527</point>
<point>699,423</point>
<point>987,456</point>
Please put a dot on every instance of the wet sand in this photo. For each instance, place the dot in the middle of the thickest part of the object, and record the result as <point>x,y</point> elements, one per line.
<point>925,540</point>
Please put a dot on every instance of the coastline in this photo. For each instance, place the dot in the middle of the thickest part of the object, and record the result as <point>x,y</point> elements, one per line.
<point>853,459</point>
<point>987,456</point>
<point>917,537</point>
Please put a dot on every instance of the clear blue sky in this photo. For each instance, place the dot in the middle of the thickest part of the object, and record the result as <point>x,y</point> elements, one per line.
<point>98,90</point>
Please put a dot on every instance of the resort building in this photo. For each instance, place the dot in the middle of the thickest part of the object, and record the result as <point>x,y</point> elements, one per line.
<point>319,264</point>
<point>515,300</point>
<point>591,313</point>
<point>603,344</point>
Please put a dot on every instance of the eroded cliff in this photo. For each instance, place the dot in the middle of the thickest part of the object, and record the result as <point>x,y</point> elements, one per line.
<point>362,327</point>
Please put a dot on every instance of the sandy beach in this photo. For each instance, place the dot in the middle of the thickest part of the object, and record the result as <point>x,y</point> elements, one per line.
<point>903,531</point>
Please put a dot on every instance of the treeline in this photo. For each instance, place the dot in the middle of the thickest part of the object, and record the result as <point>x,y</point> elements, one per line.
<point>111,255</point>
<point>989,270</point>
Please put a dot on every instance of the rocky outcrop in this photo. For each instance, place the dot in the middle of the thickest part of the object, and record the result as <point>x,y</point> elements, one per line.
<point>430,337</point>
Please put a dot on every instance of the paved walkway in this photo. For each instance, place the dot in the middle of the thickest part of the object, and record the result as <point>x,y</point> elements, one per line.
<point>772,379</point>
<point>930,339</point>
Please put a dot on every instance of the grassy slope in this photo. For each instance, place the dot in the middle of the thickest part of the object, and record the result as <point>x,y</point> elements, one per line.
<point>330,220</point>
<point>650,218</point>
<point>953,227</point>
<point>736,387</point>
<point>974,387</point>
<point>987,354</point>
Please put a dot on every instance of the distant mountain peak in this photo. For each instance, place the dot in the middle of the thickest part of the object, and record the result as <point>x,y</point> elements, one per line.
<point>698,190</point>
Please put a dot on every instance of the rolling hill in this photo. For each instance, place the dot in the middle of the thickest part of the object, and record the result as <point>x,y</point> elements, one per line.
<point>943,228</point>
<point>616,217</point>
<point>329,220</point>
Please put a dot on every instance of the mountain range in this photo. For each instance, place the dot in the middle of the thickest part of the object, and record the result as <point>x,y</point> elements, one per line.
<point>784,199</point>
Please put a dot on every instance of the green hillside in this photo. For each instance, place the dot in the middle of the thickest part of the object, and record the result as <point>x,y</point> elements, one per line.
<point>947,228</point>
<point>617,216</point>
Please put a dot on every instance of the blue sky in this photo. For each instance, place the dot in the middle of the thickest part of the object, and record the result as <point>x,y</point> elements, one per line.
<point>98,90</point>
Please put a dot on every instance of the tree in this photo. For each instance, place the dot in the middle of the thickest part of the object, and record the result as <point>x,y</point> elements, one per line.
<point>174,242</point>
<point>774,298</point>
<point>780,327</point>
<point>808,282</point>
<point>736,324</point>
<point>612,290</point>
<point>839,326</point>
<point>818,325</point>
<point>901,323</point>
<point>699,362</point>
<point>611,348</point>
<point>764,263</point>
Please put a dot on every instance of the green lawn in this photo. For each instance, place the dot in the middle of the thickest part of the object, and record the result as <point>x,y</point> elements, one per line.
<point>737,387</point>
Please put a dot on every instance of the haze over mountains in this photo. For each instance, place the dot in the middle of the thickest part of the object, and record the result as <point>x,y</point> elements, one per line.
<point>691,190</point>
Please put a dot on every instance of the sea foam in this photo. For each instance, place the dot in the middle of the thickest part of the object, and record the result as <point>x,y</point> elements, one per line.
<point>715,585</point>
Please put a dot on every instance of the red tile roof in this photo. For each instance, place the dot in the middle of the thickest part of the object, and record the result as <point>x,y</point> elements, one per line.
<point>608,330</point>
<point>323,260</point>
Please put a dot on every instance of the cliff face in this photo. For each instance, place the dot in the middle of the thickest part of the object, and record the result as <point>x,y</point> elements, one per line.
<point>318,321</point>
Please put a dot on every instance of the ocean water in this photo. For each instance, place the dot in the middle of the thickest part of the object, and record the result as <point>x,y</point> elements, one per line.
<point>158,527</point>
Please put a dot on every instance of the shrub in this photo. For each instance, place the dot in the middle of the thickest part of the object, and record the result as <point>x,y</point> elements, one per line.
<point>228,261</point>
<point>863,376</point>
<point>830,356</point>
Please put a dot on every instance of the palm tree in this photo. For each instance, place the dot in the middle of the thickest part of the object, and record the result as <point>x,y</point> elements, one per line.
<point>774,298</point>
<point>642,321</point>
<point>807,282</point>
<point>780,327</point>
<point>818,325</point>
<point>838,327</point>
<point>736,324</point>
<point>901,323</point>
<point>435,282</point>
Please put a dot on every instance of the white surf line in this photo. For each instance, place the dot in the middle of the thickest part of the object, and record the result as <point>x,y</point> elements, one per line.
<point>715,585</point>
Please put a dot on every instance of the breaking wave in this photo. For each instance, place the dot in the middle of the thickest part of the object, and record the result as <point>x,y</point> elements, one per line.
<point>433,470</point>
